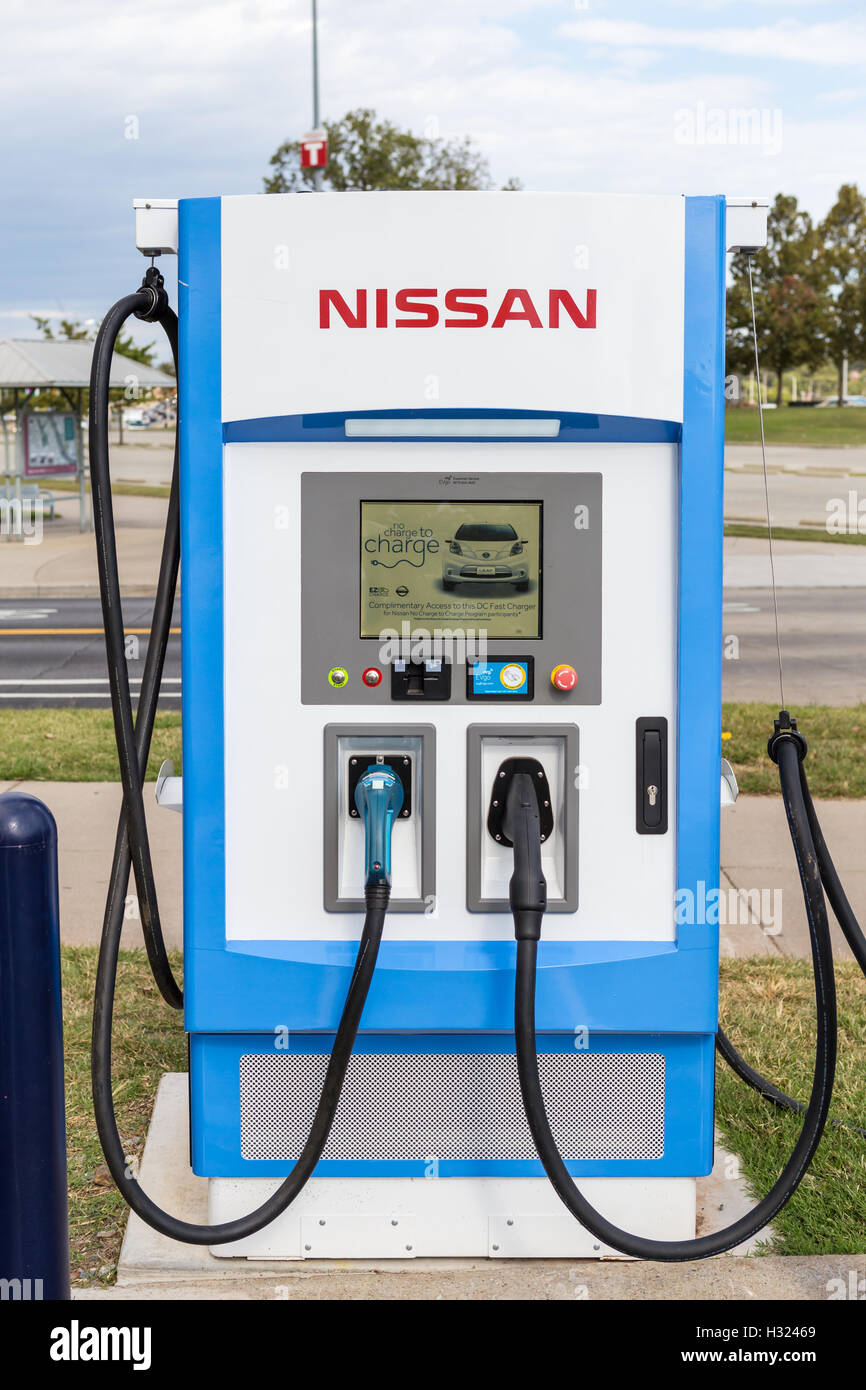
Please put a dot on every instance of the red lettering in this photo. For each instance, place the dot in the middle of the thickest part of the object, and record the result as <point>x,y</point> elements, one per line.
<point>516,307</point>
<point>404,303</point>
<point>327,298</point>
<point>506,312</point>
<point>455,301</point>
<point>562,297</point>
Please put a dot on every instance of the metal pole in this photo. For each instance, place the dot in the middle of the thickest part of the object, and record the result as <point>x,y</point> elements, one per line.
<point>34,1232</point>
<point>22,464</point>
<point>7,487</point>
<point>80,451</point>
<point>317,173</point>
<point>82,482</point>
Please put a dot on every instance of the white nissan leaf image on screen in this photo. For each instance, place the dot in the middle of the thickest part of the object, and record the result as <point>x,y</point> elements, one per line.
<point>489,552</point>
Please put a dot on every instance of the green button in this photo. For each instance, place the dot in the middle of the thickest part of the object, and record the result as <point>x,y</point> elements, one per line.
<point>338,676</point>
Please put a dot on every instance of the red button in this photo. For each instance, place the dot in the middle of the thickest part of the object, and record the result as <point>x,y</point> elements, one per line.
<point>372,676</point>
<point>563,677</point>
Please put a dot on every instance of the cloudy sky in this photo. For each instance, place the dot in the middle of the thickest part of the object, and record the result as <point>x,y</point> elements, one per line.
<point>618,95</point>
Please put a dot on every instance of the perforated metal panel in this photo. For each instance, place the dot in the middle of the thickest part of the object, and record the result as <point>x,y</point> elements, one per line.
<point>455,1106</point>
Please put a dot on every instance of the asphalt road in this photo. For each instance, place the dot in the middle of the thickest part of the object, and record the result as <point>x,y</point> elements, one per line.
<point>53,654</point>
<point>823,634</point>
<point>808,499</point>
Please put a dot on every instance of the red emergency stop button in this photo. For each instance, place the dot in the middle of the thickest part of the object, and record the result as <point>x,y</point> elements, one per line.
<point>563,678</point>
<point>372,676</point>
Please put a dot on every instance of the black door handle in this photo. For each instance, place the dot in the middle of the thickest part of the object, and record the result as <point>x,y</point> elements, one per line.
<point>652,776</point>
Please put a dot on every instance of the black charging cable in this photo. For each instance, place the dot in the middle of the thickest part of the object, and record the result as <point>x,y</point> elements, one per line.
<point>843,913</point>
<point>132,847</point>
<point>789,751</point>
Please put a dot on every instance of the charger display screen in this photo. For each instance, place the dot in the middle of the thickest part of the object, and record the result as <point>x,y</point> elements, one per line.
<point>464,566</point>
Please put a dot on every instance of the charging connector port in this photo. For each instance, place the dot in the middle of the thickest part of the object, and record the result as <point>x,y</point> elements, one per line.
<point>399,763</point>
<point>497,823</point>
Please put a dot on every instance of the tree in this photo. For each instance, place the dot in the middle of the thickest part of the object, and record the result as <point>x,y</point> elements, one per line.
<point>73,330</point>
<point>70,329</point>
<point>790,297</point>
<point>843,234</point>
<point>366,153</point>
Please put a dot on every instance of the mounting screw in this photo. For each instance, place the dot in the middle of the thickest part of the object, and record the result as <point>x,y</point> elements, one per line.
<point>308,1247</point>
<point>405,762</point>
<point>502,774</point>
<point>496,803</point>
<point>510,1221</point>
<point>321,1222</point>
<point>354,762</point>
<point>540,772</point>
<point>494,1247</point>
<point>547,803</point>
<point>395,1223</point>
<point>408,1247</point>
<point>544,837</point>
<point>596,1247</point>
<point>499,837</point>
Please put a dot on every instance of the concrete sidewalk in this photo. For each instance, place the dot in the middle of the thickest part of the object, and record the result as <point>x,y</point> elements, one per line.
<point>798,564</point>
<point>762,904</point>
<point>760,875</point>
<point>62,564</point>
<point>790,1279</point>
<point>86,815</point>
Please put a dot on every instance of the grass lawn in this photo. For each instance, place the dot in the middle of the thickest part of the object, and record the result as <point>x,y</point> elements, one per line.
<point>824,429</point>
<point>77,745</point>
<point>148,1040</point>
<point>791,533</point>
<point>767,1010</point>
<point>74,745</point>
<point>120,489</point>
<point>836,762</point>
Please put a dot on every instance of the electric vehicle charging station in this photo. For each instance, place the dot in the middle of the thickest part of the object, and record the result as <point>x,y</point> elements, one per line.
<point>452,637</point>
<point>327,453</point>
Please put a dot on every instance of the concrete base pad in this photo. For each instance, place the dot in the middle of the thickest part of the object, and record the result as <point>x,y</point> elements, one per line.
<point>149,1259</point>
<point>444,1218</point>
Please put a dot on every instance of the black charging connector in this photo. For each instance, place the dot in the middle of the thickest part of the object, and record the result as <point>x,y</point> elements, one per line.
<point>520,795</point>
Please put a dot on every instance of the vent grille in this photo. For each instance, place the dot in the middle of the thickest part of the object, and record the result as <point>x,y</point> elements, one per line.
<point>455,1106</point>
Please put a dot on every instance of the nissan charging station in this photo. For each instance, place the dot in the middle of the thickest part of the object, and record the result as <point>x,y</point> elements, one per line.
<point>449,506</point>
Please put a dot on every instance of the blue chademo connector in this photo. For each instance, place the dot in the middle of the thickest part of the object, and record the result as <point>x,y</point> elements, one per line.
<point>379,799</point>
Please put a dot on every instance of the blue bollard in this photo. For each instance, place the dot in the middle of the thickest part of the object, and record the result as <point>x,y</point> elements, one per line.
<point>34,1224</point>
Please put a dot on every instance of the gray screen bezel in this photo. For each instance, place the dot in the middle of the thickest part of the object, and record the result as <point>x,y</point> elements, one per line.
<point>571,578</point>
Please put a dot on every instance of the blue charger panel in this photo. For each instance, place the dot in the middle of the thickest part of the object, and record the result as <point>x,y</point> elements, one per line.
<point>677,1088</point>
